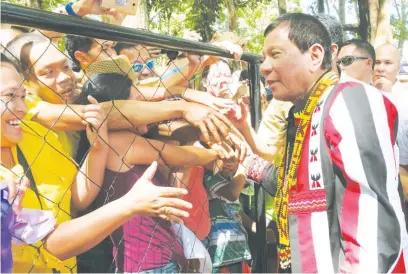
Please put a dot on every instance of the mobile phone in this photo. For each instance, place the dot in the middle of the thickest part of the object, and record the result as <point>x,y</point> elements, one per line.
<point>128,7</point>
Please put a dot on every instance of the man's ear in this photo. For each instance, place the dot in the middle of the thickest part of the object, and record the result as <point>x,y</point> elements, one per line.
<point>316,52</point>
<point>81,56</point>
<point>370,63</point>
<point>334,48</point>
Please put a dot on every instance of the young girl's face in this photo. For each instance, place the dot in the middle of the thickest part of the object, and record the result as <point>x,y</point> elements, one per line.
<point>12,106</point>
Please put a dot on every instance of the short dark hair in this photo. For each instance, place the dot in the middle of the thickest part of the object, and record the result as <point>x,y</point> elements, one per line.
<point>105,87</point>
<point>120,46</point>
<point>75,43</point>
<point>333,26</point>
<point>305,31</point>
<point>363,46</point>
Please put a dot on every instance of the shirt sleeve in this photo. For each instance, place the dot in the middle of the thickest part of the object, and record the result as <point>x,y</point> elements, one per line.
<point>402,141</point>
<point>359,128</point>
<point>34,105</point>
<point>272,129</point>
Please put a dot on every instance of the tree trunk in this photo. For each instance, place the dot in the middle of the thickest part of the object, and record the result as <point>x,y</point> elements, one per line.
<point>404,18</point>
<point>380,22</point>
<point>282,6</point>
<point>320,6</point>
<point>364,19</point>
<point>327,6</point>
<point>342,11</point>
<point>232,17</point>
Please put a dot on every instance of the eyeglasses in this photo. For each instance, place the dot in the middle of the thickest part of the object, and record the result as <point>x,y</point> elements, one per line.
<point>348,60</point>
<point>139,67</point>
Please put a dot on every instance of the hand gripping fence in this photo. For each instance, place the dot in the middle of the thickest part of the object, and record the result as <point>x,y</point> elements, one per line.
<point>72,28</point>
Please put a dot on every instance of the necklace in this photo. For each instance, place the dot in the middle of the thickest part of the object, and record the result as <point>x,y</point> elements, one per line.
<point>287,168</point>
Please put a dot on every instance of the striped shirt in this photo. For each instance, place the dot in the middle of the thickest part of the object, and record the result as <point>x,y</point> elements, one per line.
<point>361,227</point>
<point>227,242</point>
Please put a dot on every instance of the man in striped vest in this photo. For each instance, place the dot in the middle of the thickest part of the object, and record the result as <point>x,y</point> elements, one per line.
<point>335,181</point>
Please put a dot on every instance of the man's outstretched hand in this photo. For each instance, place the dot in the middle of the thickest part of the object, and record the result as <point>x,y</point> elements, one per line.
<point>208,120</point>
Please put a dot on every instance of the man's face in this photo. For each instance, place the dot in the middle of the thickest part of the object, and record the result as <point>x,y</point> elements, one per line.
<point>139,55</point>
<point>359,69</point>
<point>51,74</point>
<point>285,68</point>
<point>101,50</point>
<point>386,67</point>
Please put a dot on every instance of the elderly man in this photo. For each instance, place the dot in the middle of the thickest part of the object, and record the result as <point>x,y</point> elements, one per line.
<point>336,184</point>
<point>385,77</point>
<point>386,68</point>
<point>272,129</point>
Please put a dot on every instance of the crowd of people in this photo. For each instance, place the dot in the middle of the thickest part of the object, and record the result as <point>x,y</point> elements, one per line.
<point>119,157</point>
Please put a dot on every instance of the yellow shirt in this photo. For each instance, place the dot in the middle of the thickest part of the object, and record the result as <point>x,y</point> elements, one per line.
<point>69,140</point>
<point>53,174</point>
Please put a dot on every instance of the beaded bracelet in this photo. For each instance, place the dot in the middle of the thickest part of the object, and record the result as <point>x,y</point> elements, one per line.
<point>256,167</point>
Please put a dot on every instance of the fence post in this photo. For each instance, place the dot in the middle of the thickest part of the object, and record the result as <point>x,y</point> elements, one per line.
<point>260,260</point>
<point>255,83</point>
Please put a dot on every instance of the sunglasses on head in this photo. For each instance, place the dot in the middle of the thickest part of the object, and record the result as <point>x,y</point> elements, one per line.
<point>348,60</point>
<point>139,67</point>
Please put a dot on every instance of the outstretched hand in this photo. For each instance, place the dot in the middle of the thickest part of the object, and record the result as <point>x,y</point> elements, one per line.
<point>207,120</point>
<point>147,199</point>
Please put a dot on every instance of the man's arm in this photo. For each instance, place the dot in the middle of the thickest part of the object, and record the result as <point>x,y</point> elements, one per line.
<point>271,132</point>
<point>232,190</point>
<point>359,129</point>
<point>124,114</point>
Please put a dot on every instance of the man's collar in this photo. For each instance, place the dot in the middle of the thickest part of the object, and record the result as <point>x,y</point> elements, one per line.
<point>300,105</point>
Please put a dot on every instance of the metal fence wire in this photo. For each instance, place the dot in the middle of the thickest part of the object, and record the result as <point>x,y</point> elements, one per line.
<point>65,77</point>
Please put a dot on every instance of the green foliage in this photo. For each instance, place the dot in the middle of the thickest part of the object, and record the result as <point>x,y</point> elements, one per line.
<point>41,4</point>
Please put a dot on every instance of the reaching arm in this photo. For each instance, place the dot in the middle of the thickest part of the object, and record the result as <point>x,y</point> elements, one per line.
<point>257,145</point>
<point>124,114</point>
<point>359,130</point>
<point>136,150</point>
<point>163,202</point>
<point>90,177</point>
<point>179,73</point>
<point>232,190</point>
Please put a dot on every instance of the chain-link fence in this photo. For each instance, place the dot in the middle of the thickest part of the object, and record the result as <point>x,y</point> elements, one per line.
<point>65,60</point>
